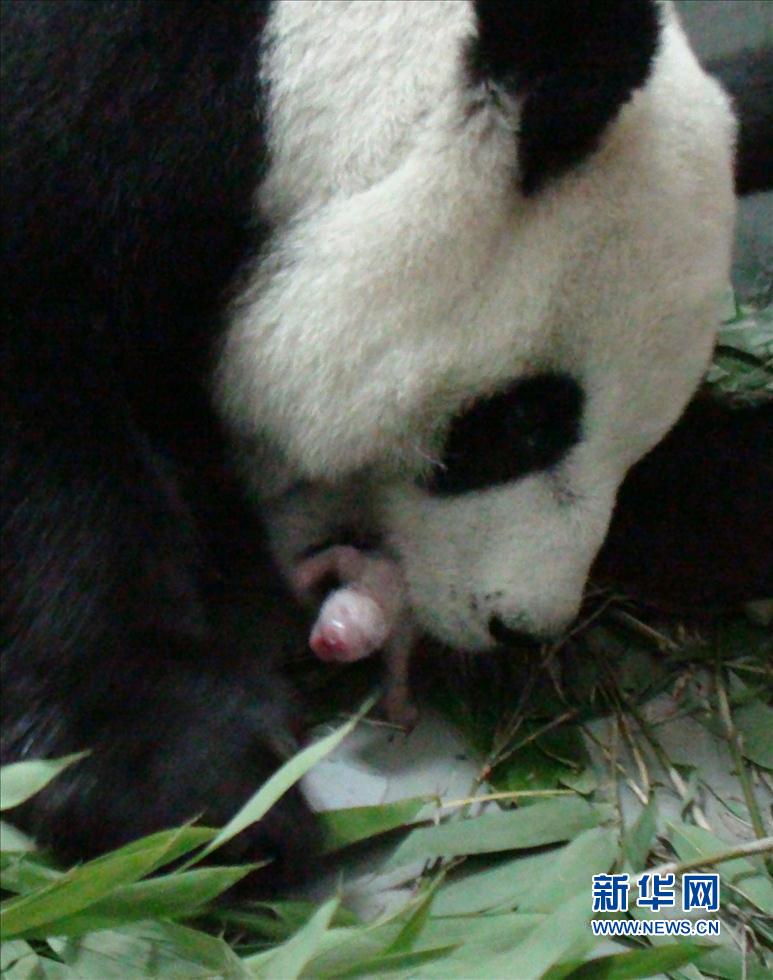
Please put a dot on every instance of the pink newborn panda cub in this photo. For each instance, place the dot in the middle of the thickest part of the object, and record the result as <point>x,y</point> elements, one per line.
<point>367,612</point>
<point>365,609</point>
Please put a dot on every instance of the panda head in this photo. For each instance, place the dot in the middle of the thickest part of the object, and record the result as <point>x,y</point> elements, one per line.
<point>500,232</point>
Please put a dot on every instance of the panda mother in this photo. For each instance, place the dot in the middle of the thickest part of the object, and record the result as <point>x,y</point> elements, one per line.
<point>465,254</point>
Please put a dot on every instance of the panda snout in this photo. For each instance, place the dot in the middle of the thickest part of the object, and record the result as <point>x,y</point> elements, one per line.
<point>514,636</point>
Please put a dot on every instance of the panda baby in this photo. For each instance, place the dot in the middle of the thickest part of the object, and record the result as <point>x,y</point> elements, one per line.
<point>359,614</point>
<point>323,541</point>
<point>365,613</point>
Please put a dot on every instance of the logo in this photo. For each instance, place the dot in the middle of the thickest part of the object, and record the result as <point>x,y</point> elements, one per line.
<point>656,891</point>
<point>700,892</point>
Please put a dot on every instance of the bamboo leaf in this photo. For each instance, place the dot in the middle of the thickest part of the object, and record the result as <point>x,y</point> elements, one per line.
<point>541,823</point>
<point>289,959</point>
<point>21,780</point>
<point>592,852</point>
<point>391,963</point>
<point>289,774</point>
<point>149,949</point>
<point>755,724</point>
<point>406,939</point>
<point>168,897</point>
<point>639,963</point>
<point>77,889</point>
<point>747,877</point>
<point>349,826</point>
<point>638,840</point>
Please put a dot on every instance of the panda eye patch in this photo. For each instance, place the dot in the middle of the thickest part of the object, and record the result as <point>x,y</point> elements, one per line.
<point>526,428</point>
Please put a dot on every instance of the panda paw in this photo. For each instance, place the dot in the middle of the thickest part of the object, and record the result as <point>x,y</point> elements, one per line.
<point>175,747</point>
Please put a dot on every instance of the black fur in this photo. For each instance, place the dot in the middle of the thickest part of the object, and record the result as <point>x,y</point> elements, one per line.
<point>133,575</point>
<point>692,531</point>
<point>509,638</point>
<point>572,63</point>
<point>525,429</point>
<point>748,78</point>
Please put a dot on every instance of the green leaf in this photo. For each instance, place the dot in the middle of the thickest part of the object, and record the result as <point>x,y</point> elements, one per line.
<point>529,769</point>
<point>533,826</point>
<point>526,882</point>
<point>639,963</point>
<point>687,972</point>
<point>35,967</point>
<point>277,921</point>
<point>357,823</point>
<point>23,872</point>
<point>278,784</point>
<point>505,885</point>
<point>637,842</point>
<point>406,939</point>
<point>746,875</point>
<point>167,897</point>
<point>478,935</point>
<point>391,963</point>
<point>290,958</point>
<point>728,962</point>
<point>572,870</point>
<point>465,942</point>
<point>743,358</point>
<point>554,758</point>
<point>584,782</point>
<point>755,724</point>
<point>12,839</point>
<point>13,950</point>
<point>77,889</point>
<point>550,941</point>
<point>343,949</point>
<point>466,938</point>
<point>547,942</point>
<point>21,780</point>
<point>178,842</point>
<point>149,949</point>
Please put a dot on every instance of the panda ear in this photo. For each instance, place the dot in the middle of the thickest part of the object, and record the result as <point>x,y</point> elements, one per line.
<point>571,64</point>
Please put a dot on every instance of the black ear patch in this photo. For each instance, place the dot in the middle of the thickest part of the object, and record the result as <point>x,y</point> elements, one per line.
<point>573,64</point>
<point>526,428</point>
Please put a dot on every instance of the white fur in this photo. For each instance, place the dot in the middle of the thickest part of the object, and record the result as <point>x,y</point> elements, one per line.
<point>408,276</point>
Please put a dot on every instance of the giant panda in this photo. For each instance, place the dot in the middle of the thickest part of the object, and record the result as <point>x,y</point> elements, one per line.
<point>465,255</point>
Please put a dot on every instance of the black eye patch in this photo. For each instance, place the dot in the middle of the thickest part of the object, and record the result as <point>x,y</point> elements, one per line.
<point>526,428</point>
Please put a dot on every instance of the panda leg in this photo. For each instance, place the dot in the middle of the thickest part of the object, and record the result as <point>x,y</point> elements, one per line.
<point>399,705</point>
<point>691,533</point>
<point>109,645</point>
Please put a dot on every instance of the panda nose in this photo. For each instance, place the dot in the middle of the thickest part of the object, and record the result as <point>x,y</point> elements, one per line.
<point>506,636</point>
